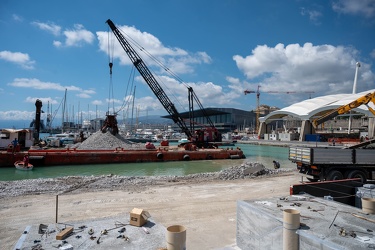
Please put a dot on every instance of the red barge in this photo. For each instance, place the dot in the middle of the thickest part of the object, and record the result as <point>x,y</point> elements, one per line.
<point>52,157</point>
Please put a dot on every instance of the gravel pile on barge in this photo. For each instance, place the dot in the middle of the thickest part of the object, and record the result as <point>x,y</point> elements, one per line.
<point>100,140</point>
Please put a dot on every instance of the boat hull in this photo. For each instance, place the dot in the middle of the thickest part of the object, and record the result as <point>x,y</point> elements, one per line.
<point>77,157</point>
<point>20,165</point>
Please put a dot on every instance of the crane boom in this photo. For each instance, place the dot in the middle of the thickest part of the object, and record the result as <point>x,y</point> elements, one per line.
<point>150,79</point>
<point>363,100</point>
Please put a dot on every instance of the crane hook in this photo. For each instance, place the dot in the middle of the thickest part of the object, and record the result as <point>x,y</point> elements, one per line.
<point>110,68</point>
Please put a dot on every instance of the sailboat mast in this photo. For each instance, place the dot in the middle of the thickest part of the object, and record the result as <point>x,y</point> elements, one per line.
<point>63,113</point>
<point>131,121</point>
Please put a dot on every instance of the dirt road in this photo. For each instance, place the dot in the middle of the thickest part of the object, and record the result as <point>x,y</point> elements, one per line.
<point>206,209</point>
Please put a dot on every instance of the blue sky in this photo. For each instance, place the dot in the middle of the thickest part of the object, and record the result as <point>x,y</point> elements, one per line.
<point>219,47</point>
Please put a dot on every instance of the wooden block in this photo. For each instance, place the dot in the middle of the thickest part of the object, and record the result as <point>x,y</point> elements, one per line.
<point>64,233</point>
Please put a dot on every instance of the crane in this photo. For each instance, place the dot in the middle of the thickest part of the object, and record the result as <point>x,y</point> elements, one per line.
<point>363,100</point>
<point>205,135</point>
<point>258,100</point>
<point>257,110</point>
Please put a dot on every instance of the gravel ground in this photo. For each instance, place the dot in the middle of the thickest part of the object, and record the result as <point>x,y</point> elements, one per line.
<point>78,184</point>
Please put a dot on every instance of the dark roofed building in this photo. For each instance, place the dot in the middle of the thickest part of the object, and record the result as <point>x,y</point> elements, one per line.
<point>224,119</point>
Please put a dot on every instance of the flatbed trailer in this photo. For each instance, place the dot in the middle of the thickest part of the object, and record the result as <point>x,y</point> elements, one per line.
<point>332,163</point>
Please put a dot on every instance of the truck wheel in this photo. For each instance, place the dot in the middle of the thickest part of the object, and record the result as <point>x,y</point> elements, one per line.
<point>334,175</point>
<point>357,174</point>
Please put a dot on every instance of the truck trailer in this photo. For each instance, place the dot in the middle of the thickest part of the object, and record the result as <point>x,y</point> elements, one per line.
<point>333,163</point>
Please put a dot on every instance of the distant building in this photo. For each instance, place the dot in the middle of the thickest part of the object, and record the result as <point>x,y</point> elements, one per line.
<point>224,119</point>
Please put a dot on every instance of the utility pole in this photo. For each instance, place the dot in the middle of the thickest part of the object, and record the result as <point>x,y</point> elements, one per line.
<point>357,65</point>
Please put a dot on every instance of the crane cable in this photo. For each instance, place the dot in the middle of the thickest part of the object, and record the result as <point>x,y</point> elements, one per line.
<point>131,79</point>
<point>110,60</point>
<point>159,63</point>
<point>126,101</point>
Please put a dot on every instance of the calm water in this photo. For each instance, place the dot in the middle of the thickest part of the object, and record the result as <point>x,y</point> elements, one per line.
<point>254,153</point>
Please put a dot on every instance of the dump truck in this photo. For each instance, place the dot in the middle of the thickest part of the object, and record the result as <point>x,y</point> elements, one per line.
<point>333,163</point>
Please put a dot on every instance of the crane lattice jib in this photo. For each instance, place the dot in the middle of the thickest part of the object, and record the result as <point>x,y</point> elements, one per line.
<point>150,79</point>
<point>205,114</point>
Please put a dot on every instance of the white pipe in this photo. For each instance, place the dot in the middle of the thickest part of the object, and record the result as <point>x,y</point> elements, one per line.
<point>354,92</point>
<point>356,77</point>
<point>290,225</point>
<point>176,237</point>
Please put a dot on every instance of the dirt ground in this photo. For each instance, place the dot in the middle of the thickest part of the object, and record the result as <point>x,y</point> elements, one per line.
<point>206,209</point>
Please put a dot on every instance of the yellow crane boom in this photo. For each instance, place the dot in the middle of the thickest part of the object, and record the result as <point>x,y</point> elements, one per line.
<point>363,100</point>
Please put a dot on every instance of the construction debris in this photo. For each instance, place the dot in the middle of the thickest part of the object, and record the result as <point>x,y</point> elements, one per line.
<point>105,233</point>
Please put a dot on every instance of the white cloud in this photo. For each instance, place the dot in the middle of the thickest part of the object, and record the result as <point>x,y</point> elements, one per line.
<point>17,115</point>
<point>83,95</point>
<point>116,101</point>
<point>18,58</point>
<point>175,59</point>
<point>49,27</point>
<point>43,99</point>
<point>34,83</point>
<point>361,7</point>
<point>97,102</point>
<point>324,69</point>
<point>372,54</point>
<point>37,84</point>
<point>78,36</point>
<point>57,44</point>
<point>313,15</point>
<point>86,93</point>
<point>17,18</point>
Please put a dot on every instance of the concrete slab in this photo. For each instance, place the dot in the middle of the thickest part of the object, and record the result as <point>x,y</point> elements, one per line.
<point>132,238</point>
<point>325,224</point>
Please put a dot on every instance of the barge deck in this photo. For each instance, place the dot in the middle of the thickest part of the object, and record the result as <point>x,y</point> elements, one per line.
<point>50,157</point>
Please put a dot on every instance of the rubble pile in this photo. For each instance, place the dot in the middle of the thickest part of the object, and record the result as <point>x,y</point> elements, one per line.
<point>247,170</point>
<point>100,140</point>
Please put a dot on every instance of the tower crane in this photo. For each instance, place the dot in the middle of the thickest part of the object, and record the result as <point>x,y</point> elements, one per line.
<point>257,111</point>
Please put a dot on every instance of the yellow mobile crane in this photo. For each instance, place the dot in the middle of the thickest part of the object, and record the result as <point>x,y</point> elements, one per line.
<point>363,100</point>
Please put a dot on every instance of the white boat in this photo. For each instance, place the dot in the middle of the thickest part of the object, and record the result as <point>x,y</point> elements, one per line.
<point>68,138</point>
<point>21,165</point>
<point>183,140</point>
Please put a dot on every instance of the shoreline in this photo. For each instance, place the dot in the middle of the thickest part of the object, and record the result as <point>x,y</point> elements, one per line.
<point>74,184</point>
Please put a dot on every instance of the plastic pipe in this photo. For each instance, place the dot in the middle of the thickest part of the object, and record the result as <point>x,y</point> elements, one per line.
<point>368,205</point>
<point>176,237</point>
<point>290,225</point>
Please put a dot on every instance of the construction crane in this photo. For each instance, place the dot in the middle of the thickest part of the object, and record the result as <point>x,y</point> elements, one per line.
<point>363,100</point>
<point>200,137</point>
<point>257,111</point>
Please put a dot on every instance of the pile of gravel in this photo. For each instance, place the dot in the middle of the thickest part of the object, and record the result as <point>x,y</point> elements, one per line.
<point>247,170</point>
<point>72,184</point>
<point>100,140</point>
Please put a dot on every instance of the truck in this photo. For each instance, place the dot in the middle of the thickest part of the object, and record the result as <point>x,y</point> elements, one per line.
<point>333,163</point>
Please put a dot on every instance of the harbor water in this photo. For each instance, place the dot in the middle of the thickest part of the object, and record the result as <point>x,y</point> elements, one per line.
<point>254,153</point>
